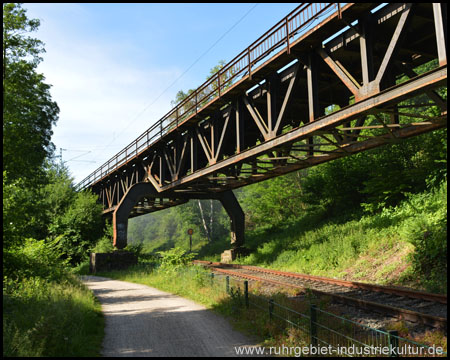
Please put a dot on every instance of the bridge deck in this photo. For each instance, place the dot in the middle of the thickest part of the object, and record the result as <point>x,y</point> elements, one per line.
<point>293,99</point>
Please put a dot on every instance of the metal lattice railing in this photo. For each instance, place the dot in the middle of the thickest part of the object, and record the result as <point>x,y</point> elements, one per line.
<point>241,67</point>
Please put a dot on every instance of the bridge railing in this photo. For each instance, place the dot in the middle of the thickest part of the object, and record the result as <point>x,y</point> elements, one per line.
<point>280,35</point>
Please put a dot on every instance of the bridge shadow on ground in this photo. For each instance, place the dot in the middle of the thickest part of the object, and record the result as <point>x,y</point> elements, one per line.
<point>141,321</point>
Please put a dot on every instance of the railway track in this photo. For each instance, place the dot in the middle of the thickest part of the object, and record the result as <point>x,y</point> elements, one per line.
<point>414,306</point>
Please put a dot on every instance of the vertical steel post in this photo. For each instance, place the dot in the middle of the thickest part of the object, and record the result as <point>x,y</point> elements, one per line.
<point>218,80</point>
<point>366,47</point>
<point>196,104</point>
<point>271,306</point>
<point>313,325</point>
<point>238,127</point>
<point>246,293</point>
<point>287,36</point>
<point>227,281</point>
<point>440,33</point>
<point>249,65</point>
<point>393,343</point>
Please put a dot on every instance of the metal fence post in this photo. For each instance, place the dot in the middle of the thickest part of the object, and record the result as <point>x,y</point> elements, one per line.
<point>249,65</point>
<point>212,278</point>
<point>246,293</point>
<point>196,103</point>
<point>287,36</point>
<point>218,80</point>
<point>227,280</point>
<point>393,343</point>
<point>271,305</point>
<point>313,326</point>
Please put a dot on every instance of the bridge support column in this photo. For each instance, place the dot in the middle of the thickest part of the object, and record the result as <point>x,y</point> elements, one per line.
<point>237,225</point>
<point>237,218</point>
<point>137,191</point>
<point>120,215</point>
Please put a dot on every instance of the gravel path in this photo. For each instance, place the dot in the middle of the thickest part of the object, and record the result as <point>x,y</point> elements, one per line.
<point>144,321</point>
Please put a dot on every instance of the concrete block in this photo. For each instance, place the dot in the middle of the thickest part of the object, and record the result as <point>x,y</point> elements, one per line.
<point>118,260</point>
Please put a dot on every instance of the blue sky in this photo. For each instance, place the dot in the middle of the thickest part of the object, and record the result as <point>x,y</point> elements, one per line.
<point>109,63</point>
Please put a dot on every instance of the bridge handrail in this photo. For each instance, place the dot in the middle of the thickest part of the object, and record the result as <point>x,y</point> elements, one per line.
<point>213,88</point>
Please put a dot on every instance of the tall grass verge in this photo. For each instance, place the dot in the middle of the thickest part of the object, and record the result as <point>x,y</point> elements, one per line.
<point>46,310</point>
<point>43,318</point>
<point>197,284</point>
<point>404,245</point>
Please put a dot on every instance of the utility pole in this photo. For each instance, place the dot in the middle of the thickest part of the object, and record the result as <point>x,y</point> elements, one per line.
<point>60,155</point>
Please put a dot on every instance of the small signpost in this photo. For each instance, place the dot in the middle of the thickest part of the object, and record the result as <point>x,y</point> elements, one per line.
<point>190,232</point>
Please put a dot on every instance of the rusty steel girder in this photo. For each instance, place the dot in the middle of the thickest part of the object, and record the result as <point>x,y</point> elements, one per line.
<point>346,85</point>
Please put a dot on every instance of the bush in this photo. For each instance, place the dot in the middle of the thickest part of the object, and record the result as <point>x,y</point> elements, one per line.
<point>36,258</point>
<point>104,245</point>
<point>80,226</point>
<point>48,318</point>
<point>174,259</point>
<point>427,231</point>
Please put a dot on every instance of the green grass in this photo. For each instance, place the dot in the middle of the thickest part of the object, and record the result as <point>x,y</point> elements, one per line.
<point>393,246</point>
<point>195,283</point>
<point>47,318</point>
<point>188,282</point>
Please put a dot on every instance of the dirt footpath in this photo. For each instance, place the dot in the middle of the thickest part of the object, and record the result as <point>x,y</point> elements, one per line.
<point>143,321</point>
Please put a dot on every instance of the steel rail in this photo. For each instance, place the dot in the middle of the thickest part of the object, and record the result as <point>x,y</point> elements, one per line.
<point>351,284</point>
<point>400,313</point>
<point>281,33</point>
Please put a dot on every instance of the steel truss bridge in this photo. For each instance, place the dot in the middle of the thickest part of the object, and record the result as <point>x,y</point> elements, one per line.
<point>329,80</point>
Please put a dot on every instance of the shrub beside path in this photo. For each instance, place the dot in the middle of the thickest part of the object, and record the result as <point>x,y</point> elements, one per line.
<point>144,321</point>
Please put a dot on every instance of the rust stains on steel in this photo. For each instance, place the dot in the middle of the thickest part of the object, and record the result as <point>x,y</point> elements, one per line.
<point>353,284</point>
<point>245,61</point>
<point>401,313</point>
<point>267,112</point>
<point>432,79</point>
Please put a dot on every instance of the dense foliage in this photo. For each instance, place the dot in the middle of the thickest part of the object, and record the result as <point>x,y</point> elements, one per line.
<point>28,110</point>
<point>361,186</point>
<point>47,226</point>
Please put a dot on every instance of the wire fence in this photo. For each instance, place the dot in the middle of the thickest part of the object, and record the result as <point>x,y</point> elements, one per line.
<point>323,332</point>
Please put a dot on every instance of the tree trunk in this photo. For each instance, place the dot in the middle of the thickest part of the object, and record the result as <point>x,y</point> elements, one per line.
<point>205,226</point>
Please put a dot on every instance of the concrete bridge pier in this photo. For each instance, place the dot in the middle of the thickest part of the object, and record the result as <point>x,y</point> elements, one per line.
<point>137,191</point>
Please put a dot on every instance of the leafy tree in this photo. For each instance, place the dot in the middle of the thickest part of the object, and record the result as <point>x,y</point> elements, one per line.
<point>180,96</point>
<point>20,215</point>
<point>80,226</point>
<point>28,111</point>
<point>59,192</point>
<point>274,201</point>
